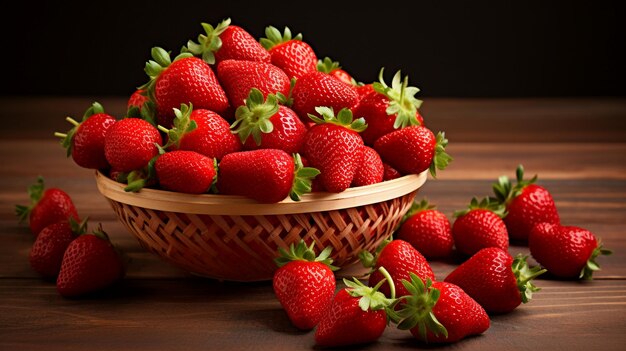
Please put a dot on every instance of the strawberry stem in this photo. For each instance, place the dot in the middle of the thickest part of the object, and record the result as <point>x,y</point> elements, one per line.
<point>273,37</point>
<point>591,265</point>
<point>209,43</point>
<point>402,100</point>
<point>302,179</point>
<point>441,159</point>
<point>302,252</point>
<point>35,192</point>
<point>343,118</point>
<point>524,275</point>
<point>253,118</point>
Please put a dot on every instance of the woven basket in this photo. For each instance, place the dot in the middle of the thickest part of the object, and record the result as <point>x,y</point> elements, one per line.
<point>234,238</point>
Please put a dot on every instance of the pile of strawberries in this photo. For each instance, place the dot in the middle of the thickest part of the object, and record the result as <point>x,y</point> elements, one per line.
<point>264,119</point>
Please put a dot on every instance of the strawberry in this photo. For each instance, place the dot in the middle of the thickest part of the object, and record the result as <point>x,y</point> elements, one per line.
<point>390,173</point>
<point>304,284</point>
<point>439,312</point>
<point>412,150</point>
<point>239,77</point>
<point>89,264</point>
<point>264,124</point>
<point>427,230</point>
<point>291,54</point>
<point>566,251</point>
<point>357,315</point>
<point>85,141</point>
<point>371,170</point>
<point>480,226</point>
<point>400,259</point>
<point>316,89</point>
<point>389,108</point>
<point>137,99</point>
<point>495,280</point>
<point>226,42</point>
<point>130,144</point>
<point>364,89</point>
<point>266,175</point>
<point>335,147</point>
<point>186,80</point>
<point>334,69</point>
<point>47,251</point>
<point>527,204</point>
<point>185,172</point>
<point>47,206</point>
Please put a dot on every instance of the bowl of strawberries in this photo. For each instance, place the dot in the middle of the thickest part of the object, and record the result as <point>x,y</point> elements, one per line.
<point>237,147</point>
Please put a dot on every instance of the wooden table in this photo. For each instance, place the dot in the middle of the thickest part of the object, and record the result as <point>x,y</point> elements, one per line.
<point>577,146</point>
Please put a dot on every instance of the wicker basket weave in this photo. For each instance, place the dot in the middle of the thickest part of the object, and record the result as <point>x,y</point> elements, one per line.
<point>235,238</point>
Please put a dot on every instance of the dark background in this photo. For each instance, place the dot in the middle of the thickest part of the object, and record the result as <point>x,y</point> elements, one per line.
<point>448,48</point>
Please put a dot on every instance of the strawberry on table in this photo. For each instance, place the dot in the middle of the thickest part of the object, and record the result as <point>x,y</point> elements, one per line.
<point>328,66</point>
<point>496,280</point>
<point>566,251</point>
<point>428,230</point>
<point>185,171</point>
<point>316,89</point>
<point>47,251</point>
<point>291,54</point>
<point>130,144</point>
<point>480,225</point>
<point>304,283</point>
<point>47,206</point>
<point>371,170</point>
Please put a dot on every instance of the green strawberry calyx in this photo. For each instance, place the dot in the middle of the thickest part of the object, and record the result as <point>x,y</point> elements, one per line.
<point>302,179</point>
<point>524,275</point>
<point>327,65</point>
<point>273,37</point>
<point>487,203</point>
<point>35,192</point>
<point>370,299</point>
<point>417,308</point>
<point>140,178</point>
<point>505,192</point>
<point>78,228</point>
<point>209,43</point>
<point>591,265</point>
<point>253,118</point>
<point>147,111</point>
<point>402,100</point>
<point>417,207</point>
<point>441,159</point>
<point>302,252</point>
<point>344,118</point>
<point>67,138</point>
<point>183,124</point>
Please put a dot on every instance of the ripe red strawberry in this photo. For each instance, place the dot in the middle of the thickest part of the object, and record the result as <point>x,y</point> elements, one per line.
<point>292,55</point>
<point>239,77</point>
<point>185,171</point>
<point>334,69</point>
<point>304,284</point>
<point>227,42</point>
<point>47,251</point>
<point>439,312</point>
<point>566,251</point>
<point>335,147</point>
<point>480,226</point>
<point>89,264</point>
<point>495,280</point>
<point>47,206</point>
<point>527,204</point>
<point>130,144</point>
<point>316,89</point>
<point>137,99</point>
<point>266,175</point>
<point>364,89</point>
<point>186,80</point>
<point>357,315</point>
<point>389,108</point>
<point>400,259</point>
<point>264,124</point>
<point>390,172</point>
<point>412,150</point>
<point>371,170</point>
<point>85,141</point>
<point>428,230</point>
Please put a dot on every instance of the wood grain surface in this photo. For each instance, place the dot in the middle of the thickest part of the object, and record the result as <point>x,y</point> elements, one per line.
<point>576,146</point>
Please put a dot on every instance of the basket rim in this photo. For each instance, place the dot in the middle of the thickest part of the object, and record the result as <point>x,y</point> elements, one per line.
<point>215,204</point>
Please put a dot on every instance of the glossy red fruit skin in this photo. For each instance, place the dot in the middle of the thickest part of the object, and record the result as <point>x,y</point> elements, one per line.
<point>533,206</point>
<point>130,144</point>
<point>188,80</point>
<point>365,89</point>
<point>47,251</point>
<point>265,175</point>
<point>88,141</point>
<point>336,151</point>
<point>288,134</point>
<point>390,172</point>
<point>400,259</point>
<point>212,136</point>
<point>239,77</point>
<point>304,290</point>
<point>137,99</point>
<point>488,278</point>
<point>54,206</point>
<point>345,323</point>
<point>429,232</point>
<point>295,57</point>
<point>371,170</point>
<point>562,250</point>
<point>461,315</point>
<point>477,229</point>
<point>238,44</point>
<point>320,89</point>
<point>342,76</point>
<point>185,172</point>
<point>409,150</point>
